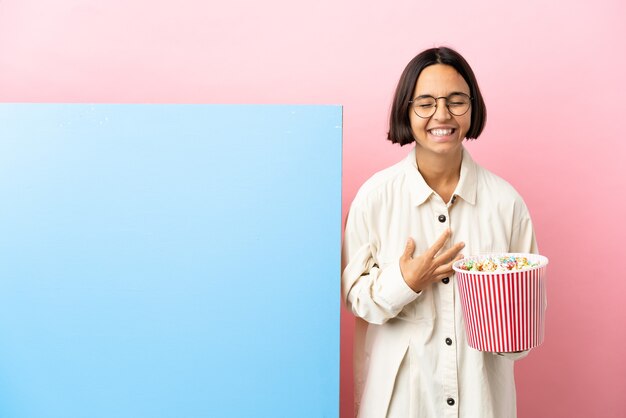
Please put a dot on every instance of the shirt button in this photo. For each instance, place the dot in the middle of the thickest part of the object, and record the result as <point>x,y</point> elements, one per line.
<point>442,218</point>
<point>450,401</point>
<point>445,280</point>
<point>449,341</point>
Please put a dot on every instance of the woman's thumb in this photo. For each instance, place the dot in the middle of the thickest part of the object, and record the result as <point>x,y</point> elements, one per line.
<point>409,249</point>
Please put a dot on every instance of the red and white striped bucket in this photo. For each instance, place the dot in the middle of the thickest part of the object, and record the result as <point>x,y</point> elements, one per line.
<point>504,311</point>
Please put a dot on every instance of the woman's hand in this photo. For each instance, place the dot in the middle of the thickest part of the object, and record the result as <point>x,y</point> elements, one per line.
<point>419,272</point>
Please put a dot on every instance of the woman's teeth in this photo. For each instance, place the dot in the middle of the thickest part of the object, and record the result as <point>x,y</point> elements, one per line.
<point>441,132</point>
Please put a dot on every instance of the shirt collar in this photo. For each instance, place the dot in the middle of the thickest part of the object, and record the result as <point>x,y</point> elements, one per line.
<point>421,191</point>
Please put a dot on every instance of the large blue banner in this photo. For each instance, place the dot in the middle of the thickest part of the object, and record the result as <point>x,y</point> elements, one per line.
<point>169,261</point>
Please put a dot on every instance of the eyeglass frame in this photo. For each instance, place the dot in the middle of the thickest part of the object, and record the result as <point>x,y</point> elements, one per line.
<point>471,99</point>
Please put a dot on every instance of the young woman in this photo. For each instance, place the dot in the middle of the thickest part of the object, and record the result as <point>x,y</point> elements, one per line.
<point>406,226</point>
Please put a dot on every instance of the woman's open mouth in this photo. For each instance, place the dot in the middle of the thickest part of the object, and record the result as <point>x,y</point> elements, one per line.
<point>442,131</point>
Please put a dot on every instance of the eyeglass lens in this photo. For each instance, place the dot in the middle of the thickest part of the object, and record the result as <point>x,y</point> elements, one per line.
<point>458,105</point>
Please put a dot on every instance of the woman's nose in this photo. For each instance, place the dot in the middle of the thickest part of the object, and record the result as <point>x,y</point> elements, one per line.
<point>442,112</point>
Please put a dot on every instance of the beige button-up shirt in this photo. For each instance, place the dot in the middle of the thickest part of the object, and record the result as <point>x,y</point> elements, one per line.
<point>445,377</point>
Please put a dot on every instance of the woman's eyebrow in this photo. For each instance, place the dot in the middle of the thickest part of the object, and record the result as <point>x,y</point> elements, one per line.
<point>422,96</point>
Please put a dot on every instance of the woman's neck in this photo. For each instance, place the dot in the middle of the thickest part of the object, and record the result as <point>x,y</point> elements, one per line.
<point>440,171</point>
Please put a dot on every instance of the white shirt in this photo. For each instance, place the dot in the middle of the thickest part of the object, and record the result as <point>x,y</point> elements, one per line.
<point>440,378</point>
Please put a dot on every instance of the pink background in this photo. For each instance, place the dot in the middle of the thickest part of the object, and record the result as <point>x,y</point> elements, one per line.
<point>552,74</point>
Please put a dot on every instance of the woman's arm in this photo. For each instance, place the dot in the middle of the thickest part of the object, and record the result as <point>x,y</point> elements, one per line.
<point>370,292</point>
<point>377,293</point>
<point>522,241</point>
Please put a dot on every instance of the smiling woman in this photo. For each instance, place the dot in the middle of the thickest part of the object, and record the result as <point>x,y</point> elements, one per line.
<point>406,227</point>
<point>435,128</point>
<point>418,70</point>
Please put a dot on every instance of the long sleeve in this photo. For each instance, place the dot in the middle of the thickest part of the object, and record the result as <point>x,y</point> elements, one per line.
<point>373,292</point>
<point>523,235</point>
<point>522,241</point>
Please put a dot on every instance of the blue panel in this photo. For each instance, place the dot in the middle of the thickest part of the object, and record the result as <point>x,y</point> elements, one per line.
<point>169,261</point>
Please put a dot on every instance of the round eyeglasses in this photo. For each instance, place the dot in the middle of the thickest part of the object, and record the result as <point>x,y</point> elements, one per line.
<point>457,103</point>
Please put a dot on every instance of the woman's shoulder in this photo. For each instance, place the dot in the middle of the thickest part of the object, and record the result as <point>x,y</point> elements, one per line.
<point>495,186</point>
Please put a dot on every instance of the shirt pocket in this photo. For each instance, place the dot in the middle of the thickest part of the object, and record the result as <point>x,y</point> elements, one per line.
<point>493,245</point>
<point>489,250</point>
<point>421,309</point>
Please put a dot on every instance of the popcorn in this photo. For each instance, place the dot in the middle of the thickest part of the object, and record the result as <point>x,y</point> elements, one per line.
<point>494,264</point>
<point>503,300</point>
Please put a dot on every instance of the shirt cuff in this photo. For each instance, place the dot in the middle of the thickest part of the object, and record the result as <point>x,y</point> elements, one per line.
<point>394,290</point>
<point>514,355</point>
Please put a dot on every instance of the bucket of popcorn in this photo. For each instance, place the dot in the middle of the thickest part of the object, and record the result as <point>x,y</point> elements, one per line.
<point>503,298</point>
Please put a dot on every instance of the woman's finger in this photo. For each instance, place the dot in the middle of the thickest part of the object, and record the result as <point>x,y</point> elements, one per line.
<point>450,253</point>
<point>441,276</point>
<point>446,269</point>
<point>438,245</point>
<point>453,251</point>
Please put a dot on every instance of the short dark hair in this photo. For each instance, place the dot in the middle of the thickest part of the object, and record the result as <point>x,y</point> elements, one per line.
<point>400,131</point>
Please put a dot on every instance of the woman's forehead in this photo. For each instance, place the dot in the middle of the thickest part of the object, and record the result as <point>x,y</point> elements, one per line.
<point>440,80</point>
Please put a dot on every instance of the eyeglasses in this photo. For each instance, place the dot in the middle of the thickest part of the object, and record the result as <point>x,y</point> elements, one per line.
<point>457,103</point>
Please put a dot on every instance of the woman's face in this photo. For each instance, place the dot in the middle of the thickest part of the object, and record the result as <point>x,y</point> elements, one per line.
<point>442,133</point>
